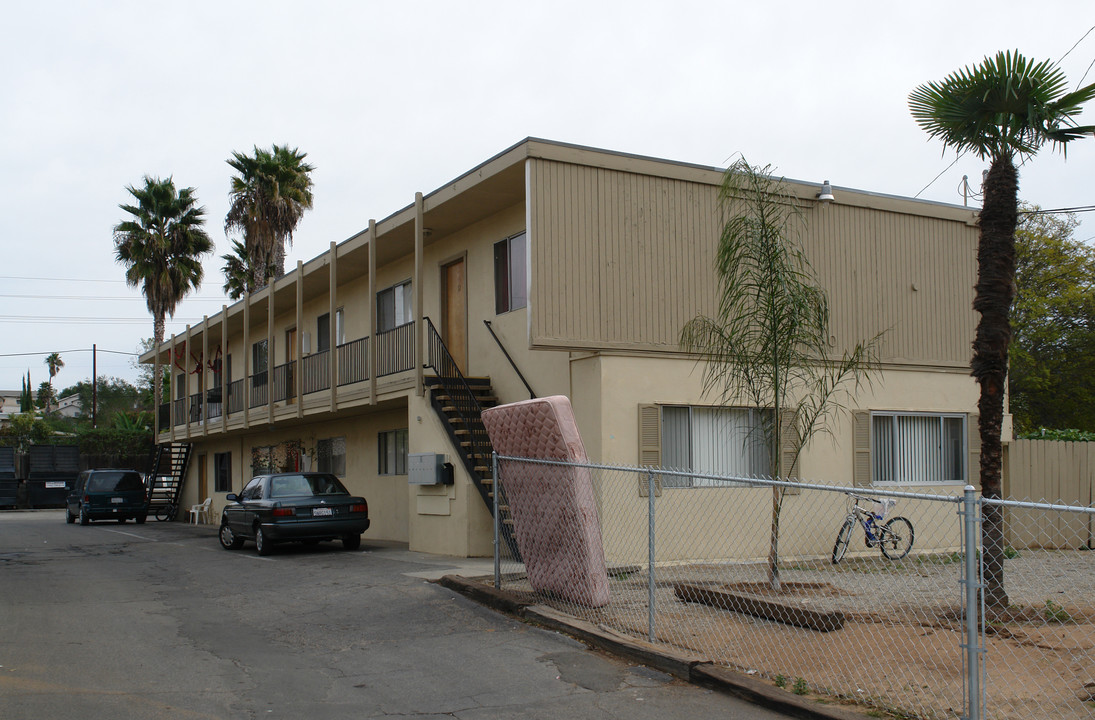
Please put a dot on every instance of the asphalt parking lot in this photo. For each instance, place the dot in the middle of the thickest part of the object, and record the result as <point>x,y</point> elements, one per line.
<point>158,621</point>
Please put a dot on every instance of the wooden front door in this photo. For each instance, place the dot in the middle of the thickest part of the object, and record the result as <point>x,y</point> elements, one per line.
<point>454,311</point>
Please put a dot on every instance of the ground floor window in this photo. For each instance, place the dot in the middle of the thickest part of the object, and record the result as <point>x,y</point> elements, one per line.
<point>331,456</point>
<point>712,441</point>
<point>283,457</point>
<point>222,472</point>
<point>392,452</point>
<point>918,447</point>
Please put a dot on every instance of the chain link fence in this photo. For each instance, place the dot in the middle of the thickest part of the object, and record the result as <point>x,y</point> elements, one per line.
<point>849,594</point>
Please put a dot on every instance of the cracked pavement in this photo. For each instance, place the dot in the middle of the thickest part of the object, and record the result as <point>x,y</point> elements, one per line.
<point>157,621</point>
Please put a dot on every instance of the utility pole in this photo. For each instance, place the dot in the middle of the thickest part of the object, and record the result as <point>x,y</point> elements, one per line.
<point>94,390</point>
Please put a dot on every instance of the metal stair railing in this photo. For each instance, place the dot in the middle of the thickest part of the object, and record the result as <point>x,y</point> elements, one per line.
<point>463,402</point>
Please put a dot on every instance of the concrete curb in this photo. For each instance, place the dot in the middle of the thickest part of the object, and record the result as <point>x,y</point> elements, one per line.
<point>691,668</point>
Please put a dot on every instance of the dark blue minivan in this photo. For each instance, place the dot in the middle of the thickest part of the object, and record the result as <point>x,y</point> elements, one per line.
<point>107,495</point>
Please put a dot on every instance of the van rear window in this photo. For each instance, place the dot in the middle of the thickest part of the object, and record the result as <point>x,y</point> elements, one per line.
<point>115,482</point>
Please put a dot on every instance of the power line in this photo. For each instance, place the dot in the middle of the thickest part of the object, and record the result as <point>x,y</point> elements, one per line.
<point>68,319</point>
<point>69,352</point>
<point>131,298</point>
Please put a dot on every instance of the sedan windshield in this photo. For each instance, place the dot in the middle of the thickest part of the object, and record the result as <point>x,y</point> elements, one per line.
<point>305,485</point>
<point>115,482</point>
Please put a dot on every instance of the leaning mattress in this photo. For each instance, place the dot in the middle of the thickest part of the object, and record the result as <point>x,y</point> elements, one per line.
<point>554,511</point>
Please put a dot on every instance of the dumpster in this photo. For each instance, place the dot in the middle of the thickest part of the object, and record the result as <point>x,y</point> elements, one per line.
<point>51,474</point>
<point>9,485</point>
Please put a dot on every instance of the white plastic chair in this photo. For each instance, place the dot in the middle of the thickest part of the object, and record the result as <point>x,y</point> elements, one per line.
<point>200,511</point>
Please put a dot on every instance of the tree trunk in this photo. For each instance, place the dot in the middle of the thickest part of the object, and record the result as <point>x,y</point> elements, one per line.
<point>995,290</point>
<point>773,547</point>
<point>158,325</point>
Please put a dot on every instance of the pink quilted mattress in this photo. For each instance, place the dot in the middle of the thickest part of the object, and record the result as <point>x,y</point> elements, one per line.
<point>554,512</point>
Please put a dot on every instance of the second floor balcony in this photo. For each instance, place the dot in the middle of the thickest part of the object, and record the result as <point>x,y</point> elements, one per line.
<point>394,353</point>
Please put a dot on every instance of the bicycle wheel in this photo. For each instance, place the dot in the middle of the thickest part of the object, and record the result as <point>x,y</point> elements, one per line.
<point>165,512</point>
<point>896,538</point>
<point>842,539</point>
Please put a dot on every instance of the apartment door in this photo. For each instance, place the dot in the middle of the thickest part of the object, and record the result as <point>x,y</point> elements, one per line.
<point>203,480</point>
<point>454,311</point>
<point>290,364</point>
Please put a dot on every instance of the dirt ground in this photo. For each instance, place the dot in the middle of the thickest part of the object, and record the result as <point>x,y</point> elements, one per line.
<point>899,649</point>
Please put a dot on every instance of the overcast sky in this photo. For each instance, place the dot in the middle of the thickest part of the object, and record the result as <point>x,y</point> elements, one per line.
<point>396,97</point>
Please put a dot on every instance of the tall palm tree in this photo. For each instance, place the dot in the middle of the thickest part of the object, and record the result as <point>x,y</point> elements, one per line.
<point>1005,108</point>
<point>54,363</point>
<point>161,245</point>
<point>268,199</point>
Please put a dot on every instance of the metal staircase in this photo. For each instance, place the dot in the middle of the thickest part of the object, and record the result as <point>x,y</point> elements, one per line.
<point>168,471</point>
<point>459,402</point>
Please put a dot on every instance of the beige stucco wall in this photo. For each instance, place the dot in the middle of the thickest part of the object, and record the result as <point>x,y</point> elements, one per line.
<point>725,523</point>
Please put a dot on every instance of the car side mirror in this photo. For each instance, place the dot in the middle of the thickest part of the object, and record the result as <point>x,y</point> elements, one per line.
<point>232,497</point>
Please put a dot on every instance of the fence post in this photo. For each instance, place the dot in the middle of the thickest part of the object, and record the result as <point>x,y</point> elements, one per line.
<point>650,554</point>
<point>974,614</point>
<point>497,488</point>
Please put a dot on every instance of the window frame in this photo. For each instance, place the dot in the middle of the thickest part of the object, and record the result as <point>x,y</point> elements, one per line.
<point>323,326</point>
<point>336,462</point>
<point>876,453</point>
<point>222,472</point>
<point>507,297</point>
<point>389,459</point>
<point>758,453</point>
<point>260,349</point>
<point>402,296</point>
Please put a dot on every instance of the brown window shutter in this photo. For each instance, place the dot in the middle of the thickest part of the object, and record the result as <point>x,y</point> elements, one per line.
<point>861,468</point>
<point>788,463</point>
<point>973,441</point>
<point>650,445</point>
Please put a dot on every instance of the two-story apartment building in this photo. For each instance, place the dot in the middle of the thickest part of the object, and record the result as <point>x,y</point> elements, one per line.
<point>554,269</point>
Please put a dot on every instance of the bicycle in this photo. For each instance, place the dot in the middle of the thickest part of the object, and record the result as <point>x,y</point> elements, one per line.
<point>167,512</point>
<point>894,539</point>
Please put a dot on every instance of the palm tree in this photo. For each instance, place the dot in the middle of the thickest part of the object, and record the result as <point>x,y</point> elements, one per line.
<point>768,344</point>
<point>239,276</point>
<point>161,245</point>
<point>1005,108</point>
<point>54,363</point>
<point>268,200</point>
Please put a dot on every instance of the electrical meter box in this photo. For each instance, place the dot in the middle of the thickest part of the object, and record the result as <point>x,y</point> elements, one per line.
<point>428,469</point>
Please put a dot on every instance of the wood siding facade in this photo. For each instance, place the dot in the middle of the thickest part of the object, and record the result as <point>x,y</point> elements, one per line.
<point>622,260</point>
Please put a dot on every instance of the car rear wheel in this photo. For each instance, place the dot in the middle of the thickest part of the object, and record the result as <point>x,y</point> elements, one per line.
<point>262,544</point>
<point>229,541</point>
<point>351,542</point>
<point>69,517</point>
<point>140,519</point>
<point>84,519</point>
<point>121,520</point>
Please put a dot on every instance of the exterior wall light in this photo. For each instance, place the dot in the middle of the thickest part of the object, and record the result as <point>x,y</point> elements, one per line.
<point>826,194</point>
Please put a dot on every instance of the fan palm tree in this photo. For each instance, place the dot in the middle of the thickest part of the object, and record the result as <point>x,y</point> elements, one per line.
<point>239,276</point>
<point>268,199</point>
<point>1007,107</point>
<point>161,245</point>
<point>54,363</point>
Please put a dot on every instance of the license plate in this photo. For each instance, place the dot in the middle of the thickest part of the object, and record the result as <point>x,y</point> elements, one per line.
<point>117,501</point>
<point>322,512</point>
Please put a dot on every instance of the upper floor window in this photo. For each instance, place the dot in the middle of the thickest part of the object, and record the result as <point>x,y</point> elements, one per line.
<point>393,307</point>
<point>259,359</point>
<point>323,331</point>
<point>511,274</point>
<point>918,447</point>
